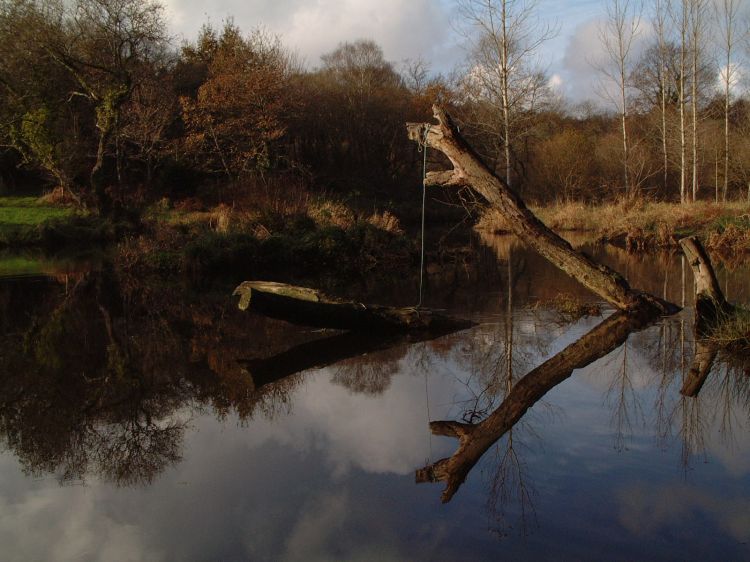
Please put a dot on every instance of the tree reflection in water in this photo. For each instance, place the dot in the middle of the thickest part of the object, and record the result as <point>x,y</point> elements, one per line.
<point>724,397</point>
<point>102,376</point>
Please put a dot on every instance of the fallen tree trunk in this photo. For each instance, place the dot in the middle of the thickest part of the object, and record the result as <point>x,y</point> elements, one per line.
<point>710,305</point>
<point>309,307</point>
<point>468,169</point>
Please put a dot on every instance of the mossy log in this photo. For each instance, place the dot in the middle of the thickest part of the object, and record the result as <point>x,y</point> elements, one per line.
<point>468,169</point>
<point>309,307</point>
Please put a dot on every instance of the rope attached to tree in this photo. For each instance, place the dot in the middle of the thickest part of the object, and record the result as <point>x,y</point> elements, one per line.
<point>423,149</point>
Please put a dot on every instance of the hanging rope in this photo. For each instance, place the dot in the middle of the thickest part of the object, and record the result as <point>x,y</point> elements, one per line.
<point>423,149</point>
<point>427,403</point>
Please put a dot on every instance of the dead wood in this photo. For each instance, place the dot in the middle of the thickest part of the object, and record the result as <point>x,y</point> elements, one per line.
<point>710,302</point>
<point>309,307</point>
<point>323,352</point>
<point>468,169</point>
<point>700,368</point>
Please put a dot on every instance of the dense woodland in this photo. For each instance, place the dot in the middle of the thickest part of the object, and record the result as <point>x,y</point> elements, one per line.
<point>96,99</point>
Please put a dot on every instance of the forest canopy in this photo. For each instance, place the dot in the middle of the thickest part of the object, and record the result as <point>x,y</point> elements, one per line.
<point>97,100</point>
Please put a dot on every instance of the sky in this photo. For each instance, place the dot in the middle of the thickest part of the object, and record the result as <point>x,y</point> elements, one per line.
<point>405,29</point>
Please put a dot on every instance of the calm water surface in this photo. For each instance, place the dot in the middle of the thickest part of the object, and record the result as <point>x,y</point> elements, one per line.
<point>151,421</point>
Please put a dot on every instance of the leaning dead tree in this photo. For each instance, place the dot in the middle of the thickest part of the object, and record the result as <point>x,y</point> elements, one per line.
<point>468,169</point>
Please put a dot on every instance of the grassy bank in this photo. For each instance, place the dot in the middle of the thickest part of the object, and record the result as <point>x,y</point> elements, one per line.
<point>645,225</point>
<point>30,222</point>
<point>317,238</point>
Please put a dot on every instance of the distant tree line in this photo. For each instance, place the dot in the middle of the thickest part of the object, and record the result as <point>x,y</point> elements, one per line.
<point>97,101</point>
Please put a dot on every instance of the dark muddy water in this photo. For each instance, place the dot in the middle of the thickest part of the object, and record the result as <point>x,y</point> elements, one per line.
<point>150,421</point>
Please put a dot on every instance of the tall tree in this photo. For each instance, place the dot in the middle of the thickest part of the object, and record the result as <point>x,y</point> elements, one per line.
<point>679,14</point>
<point>697,13</point>
<point>38,119</point>
<point>103,45</point>
<point>618,35</point>
<point>727,18</point>
<point>238,111</point>
<point>660,27</point>
<point>506,36</point>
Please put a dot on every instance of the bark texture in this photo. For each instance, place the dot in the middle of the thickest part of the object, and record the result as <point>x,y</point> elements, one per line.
<point>703,361</point>
<point>309,307</point>
<point>468,169</point>
<point>709,300</point>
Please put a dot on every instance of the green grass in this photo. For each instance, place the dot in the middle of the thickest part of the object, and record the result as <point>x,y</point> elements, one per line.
<point>20,265</point>
<point>27,222</point>
<point>733,331</point>
<point>27,211</point>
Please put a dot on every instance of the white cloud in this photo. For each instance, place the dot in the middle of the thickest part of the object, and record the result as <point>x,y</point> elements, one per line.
<point>418,28</point>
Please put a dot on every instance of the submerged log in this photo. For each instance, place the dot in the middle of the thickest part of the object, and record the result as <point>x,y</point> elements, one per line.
<point>710,305</point>
<point>468,169</point>
<point>309,307</point>
<point>476,439</point>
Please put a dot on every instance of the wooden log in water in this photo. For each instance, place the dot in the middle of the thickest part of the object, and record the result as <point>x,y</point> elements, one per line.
<point>313,308</point>
<point>476,439</point>
<point>703,361</point>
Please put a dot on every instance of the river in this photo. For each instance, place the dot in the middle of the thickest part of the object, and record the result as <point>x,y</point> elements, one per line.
<point>151,421</point>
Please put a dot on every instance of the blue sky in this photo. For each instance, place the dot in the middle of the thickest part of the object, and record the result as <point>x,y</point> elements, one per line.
<point>403,28</point>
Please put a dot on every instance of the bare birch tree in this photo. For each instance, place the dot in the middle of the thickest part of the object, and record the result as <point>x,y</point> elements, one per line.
<point>660,27</point>
<point>727,19</point>
<point>680,18</point>
<point>618,35</point>
<point>505,36</point>
<point>697,13</point>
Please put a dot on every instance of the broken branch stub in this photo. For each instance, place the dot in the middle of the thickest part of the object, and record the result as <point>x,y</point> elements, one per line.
<point>709,300</point>
<point>468,169</point>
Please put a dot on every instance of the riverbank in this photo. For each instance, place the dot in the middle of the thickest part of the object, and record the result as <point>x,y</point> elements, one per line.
<point>37,223</point>
<point>317,238</point>
<point>644,225</point>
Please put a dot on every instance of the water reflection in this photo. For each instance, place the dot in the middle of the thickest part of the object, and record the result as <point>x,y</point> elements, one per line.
<point>176,400</point>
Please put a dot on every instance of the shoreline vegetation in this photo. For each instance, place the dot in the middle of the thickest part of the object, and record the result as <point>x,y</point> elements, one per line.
<point>319,233</point>
<point>642,225</point>
<point>319,238</point>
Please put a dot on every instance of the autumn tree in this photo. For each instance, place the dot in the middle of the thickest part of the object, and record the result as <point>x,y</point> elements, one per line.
<point>350,131</point>
<point>238,113</point>
<point>104,44</point>
<point>98,46</point>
